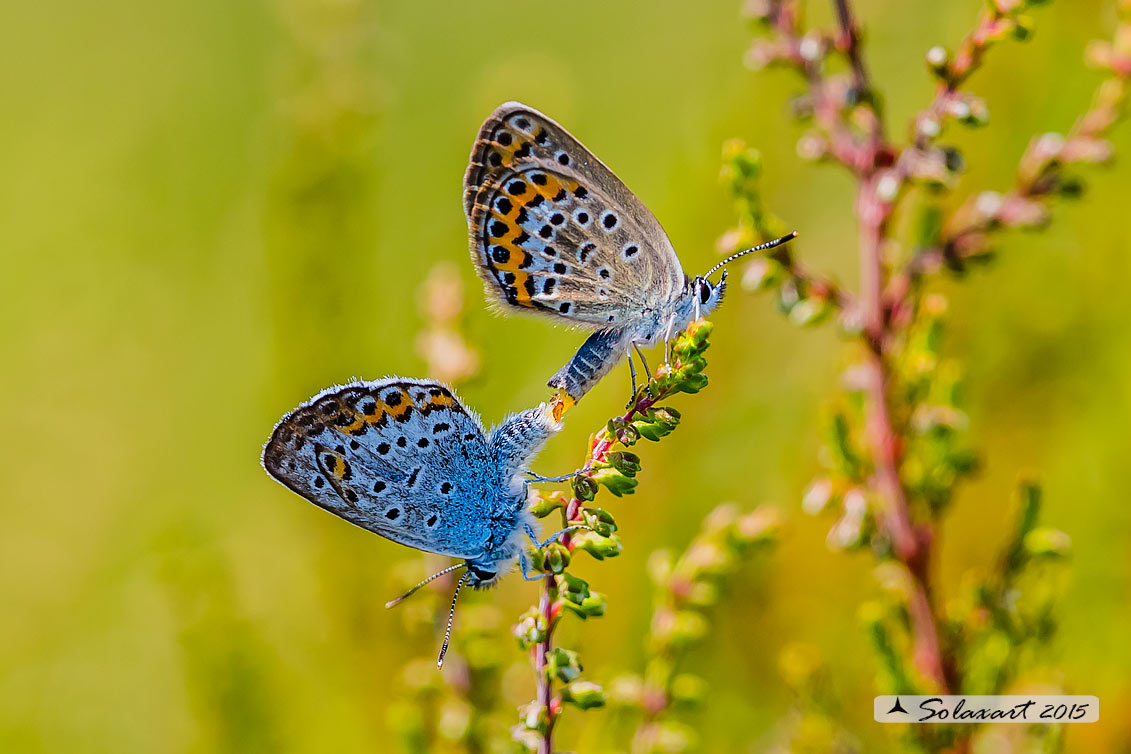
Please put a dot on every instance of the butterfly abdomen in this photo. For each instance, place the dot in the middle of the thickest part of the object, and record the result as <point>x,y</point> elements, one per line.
<point>601,351</point>
<point>516,441</point>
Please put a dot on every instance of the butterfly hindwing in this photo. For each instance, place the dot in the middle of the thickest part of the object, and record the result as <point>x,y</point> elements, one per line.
<point>554,231</point>
<point>401,458</point>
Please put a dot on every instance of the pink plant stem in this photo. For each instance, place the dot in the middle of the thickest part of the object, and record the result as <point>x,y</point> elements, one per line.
<point>872,213</point>
<point>850,44</point>
<point>600,445</point>
<point>826,110</point>
<point>541,651</point>
<point>911,549</point>
<point>965,62</point>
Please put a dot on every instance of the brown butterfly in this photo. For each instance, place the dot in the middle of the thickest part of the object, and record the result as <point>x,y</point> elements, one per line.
<point>554,231</point>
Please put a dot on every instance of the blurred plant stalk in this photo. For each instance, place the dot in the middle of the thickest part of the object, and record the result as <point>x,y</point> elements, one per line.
<point>893,450</point>
<point>441,343</point>
<point>454,711</point>
<point>686,588</point>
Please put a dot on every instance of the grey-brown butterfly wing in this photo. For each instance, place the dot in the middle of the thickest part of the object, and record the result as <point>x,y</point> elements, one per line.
<point>401,458</point>
<point>552,230</point>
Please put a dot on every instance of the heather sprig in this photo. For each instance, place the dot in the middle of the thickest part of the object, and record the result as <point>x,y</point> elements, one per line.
<point>609,464</point>
<point>895,446</point>
<point>686,588</point>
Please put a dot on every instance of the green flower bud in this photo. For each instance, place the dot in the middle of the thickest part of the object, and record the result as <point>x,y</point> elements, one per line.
<point>584,694</point>
<point>616,482</point>
<point>703,594</point>
<point>1071,187</point>
<point>554,558</point>
<point>454,719</point>
<point>688,689</point>
<point>678,629</point>
<point>563,664</point>
<point>760,526</point>
<point>761,274</point>
<point>534,717</point>
<point>600,547</point>
<point>526,740</point>
<point>660,566</point>
<point>938,60</point>
<point>691,366</point>
<point>809,311</point>
<point>547,505</point>
<point>624,461</point>
<point>420,677</point>
<point>594,605</point>
<point>530,629</point>
<point>693,384</point>
<point>601,520</point>
<point>698,333</point>
<point>651,430</point>
<point>1047,542</point>
<point>584,488</point>
<point>674,738</point>
<point>627,690</point>
<point>741,163</point>
<point>628,435</point>
<point>1023,27</point>
<point>683,350</point>
<point>573,588</point>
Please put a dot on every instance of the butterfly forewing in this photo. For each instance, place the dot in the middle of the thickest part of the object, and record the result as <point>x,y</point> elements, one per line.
<point>553,230</point>
<point>401,458</point>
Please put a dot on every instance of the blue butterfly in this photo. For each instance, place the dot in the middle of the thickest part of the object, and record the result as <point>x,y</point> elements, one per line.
<point>405,459</point>
<point>553,231</point>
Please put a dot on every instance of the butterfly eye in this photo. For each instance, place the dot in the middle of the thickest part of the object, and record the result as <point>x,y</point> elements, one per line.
<point>704,292</point>
<point>482,574</point>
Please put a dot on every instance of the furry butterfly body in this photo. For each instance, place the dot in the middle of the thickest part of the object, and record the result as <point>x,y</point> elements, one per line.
<point>553,231</point>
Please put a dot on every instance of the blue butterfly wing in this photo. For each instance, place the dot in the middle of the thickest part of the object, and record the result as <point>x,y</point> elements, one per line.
<point>401,458</point>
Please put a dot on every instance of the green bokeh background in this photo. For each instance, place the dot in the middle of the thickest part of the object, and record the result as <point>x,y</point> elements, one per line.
<point>210,209</point>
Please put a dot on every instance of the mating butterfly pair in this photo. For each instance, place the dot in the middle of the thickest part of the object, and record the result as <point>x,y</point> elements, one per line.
<point>552,231</point>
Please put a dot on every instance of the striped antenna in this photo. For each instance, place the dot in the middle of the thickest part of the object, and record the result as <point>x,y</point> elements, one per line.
<point>760,247</point>
<point>451,617</point>
<point>430,579</point>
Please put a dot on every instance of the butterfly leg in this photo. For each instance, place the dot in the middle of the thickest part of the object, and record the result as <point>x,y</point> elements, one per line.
<point>667,341</point>
<point>537,478</point>
<point>524,563</point>
<point>632,376</point>
<point>647,372</point>
<point>539,545</point>
<point>524,566</point>
<point>567,530</point>
<point>643,361</point>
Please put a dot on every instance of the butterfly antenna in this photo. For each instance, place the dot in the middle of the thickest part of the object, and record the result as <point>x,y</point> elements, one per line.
<point>760,247</point>
<point>430,579</point>
<point>451,617</point>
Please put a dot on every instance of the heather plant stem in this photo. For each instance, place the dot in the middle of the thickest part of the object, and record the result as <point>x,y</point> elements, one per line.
<point>817,285</point>
<point>966,61</point>
<point>966,240</point>
<point>545,685</point>
<point>850,44</point>
<point>911,549</point>
<point>825,109</point>
<point>601,444</point>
